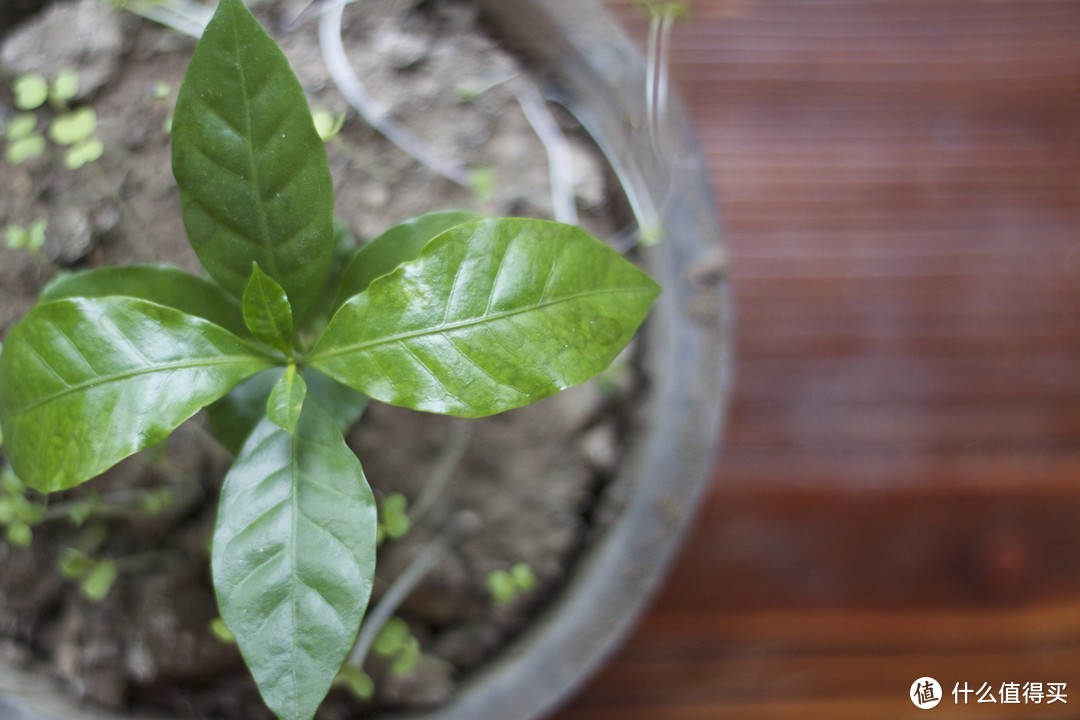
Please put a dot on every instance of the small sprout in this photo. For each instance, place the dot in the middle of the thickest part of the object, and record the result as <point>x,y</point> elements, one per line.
<point>161,90</point>
<point>19,534</point>
<point>393,519</point>
<point>73,127</point>
<point>392,637</point>
<point>652,235</point>
<point>84,152</point>
<point>167,125</point>
<point>356,681</point>
<point>405,660</point>
<point>11,482</point>
<point>157,502</point>
<point>36,235</point>
<point>18,514</point>
<point>32,239</point>
<point>75,564</point>
<point>523,576</point>
<point>23,149</point>
<point>16,237</point>
<point>468,91</point>
<point>221,631</point>
<point>482,183</point>
<point>81,510</point>
<point>95,577</point>
<point>96,585</point>
<point>31,91</point>
<point>502,587</point>
<point>506,586</point>
<point>396,643</point>
<point>64,87</point>
<point>677,10</point>
<point>328,124</point>
<point>21,126</point>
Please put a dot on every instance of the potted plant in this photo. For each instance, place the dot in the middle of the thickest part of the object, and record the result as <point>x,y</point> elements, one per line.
<point>268,318</point>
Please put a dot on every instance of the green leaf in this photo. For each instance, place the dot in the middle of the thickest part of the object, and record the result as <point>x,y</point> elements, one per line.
<point>399,244</point>
<point>73,127</point>
<point>405,660</point>
<point>95,587</point>
<point>502,587</point>
<point>392,637</point>
<point>358,682</point>
<point>287,400</point>
<point>254,180</point>
<point>523,576</point>
<point>83,152</point>
<point>491,316</point>
<point>21,126</point>
<point>23,149</point>
<point>85,382</point>
<point>35,239</point>
<point>344,403</point>
<point>31,91</point>
<point>233,417</point>
<point>221,631</point>
<point>16,238</point>
<point>294,557</point>
<point>161,284</point>
<point>65,86</point>
<point>266,311</point>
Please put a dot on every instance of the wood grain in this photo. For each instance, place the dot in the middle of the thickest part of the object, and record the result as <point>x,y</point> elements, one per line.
<point>899,493</point>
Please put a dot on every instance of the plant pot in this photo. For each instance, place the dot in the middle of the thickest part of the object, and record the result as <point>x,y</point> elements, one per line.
<point>588,66</point>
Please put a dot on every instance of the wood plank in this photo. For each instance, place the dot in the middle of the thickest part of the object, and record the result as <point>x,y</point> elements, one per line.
<point>900,491</point>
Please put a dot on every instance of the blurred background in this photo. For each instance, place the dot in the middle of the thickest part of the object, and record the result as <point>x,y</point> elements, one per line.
<point>899,492</point>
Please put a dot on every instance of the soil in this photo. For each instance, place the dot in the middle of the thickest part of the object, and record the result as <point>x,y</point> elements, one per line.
<point>527,483</point>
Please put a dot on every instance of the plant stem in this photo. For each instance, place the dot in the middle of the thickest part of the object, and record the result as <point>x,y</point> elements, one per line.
<point>560,157</point>
<point>337,62</point>
<point>424,562</point>
<point>460,435</point>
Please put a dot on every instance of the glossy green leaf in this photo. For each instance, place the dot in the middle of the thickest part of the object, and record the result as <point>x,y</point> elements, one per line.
<point>399,244</point>
<point>345,250</point>
<point>161,284</point>
<point>233,417</point>
<point>491,316</point>
<point>85,382</point>
<point>342,402</point>
<point>254,181</point>
<point>266,311</point>
<point>287,400</point>
<point>294,557</point>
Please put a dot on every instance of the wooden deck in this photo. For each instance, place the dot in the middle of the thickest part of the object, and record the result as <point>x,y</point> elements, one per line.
<point>900,491</point>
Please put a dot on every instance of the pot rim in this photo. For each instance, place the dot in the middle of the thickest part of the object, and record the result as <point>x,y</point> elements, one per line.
<point>588,65</point>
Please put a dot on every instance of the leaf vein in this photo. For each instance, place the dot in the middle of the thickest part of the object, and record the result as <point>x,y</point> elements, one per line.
<point>462,324</point>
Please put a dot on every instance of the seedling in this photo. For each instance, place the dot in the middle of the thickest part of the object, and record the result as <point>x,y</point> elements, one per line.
<point>396,643</point>
<point>73,129</point>
<point>31,239</point>
<point>506,586</point>
<point>447,313</point>
<point>31,91</point>
<point>95,576</point>
<point>24,141</point>
<point>394,521</point>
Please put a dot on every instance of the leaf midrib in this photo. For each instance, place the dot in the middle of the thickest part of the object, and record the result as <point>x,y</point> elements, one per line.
<point>449,327</point>
<point>263,227</point>
<point>109,379</point>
